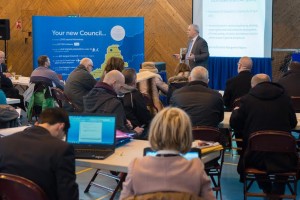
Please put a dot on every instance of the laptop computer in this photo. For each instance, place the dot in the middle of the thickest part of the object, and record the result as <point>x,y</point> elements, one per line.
<point>92,135</point>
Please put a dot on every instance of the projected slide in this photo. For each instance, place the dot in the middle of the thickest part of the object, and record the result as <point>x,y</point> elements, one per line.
<point>235,28</point>
<point>66,40</point>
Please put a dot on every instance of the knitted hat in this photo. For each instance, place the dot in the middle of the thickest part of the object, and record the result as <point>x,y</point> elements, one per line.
<point>149,66</point>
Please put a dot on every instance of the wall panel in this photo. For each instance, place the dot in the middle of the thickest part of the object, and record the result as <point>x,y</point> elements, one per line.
<point>166,22</point>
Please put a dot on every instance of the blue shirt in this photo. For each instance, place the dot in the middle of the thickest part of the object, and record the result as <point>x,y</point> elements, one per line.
<point>2,97</point>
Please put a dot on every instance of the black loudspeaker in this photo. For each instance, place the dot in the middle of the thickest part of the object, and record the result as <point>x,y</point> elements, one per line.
<point>4,29</point>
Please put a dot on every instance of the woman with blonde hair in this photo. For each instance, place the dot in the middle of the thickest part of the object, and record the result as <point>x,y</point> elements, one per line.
<point>170,134</point>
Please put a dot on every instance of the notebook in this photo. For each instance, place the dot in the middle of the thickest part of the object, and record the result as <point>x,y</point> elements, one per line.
<point>122,138</point>
<point>92,135</point>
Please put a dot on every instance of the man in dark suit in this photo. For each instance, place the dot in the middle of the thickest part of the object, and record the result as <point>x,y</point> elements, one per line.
<point>197,51</point>
<point>239,85</point>
<point>39,154</point>
<point>204,105</point>
<point>291,80</point>
<point>265,107</point>
<point>3,66</point>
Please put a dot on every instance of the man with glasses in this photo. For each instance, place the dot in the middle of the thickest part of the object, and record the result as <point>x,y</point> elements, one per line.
<point>239,85</point>
<point>79,83</point>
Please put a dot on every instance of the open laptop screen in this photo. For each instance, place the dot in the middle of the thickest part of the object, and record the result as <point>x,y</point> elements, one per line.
<point>92,129</point>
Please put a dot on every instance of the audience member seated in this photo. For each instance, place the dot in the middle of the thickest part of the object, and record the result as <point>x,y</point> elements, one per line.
<point>2,97</point>
<point>44,74</point>
<point>291,79</point>
<point>239,85</point>
<point>79,83</point>
<point>39,154</point>
<point>134,104</point>
<point>265,107</point>
<point>204,105</point>
<point>182,72</point>
<point>9,90</point>
<point>170,134</point>
<point>149,68</point>
<point>3,66</point>
<point>113,63</point>
<point>8,116</point>
<point>103,98</point>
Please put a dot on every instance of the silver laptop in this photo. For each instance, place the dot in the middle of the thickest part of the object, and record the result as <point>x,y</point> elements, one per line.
<point>92,135</point>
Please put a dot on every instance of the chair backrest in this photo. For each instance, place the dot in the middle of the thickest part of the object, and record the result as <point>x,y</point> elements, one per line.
<point>236,103</point>
<point>207,133</point>
<point>272,141</point>
<point>165,196</point>
<point>174,86</point>
<point>60,97</point>
<point>16,187</point>
<point>296,103</point>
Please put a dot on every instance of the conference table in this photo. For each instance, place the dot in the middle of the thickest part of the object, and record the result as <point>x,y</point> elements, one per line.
<point>121,159</point>
<point>225,122</point>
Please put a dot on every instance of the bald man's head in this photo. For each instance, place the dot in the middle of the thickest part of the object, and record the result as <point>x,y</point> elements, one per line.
<point>259,78</point>
<point>199,73</point>
<point>115,79</point>
<point>87,63</point>
<point>245,64</point>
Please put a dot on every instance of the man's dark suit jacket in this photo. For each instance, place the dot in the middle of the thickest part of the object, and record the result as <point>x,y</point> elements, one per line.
<point>42,158</point>
<point>204,105</point>
<point>291,82</point>
<point>200,50</point>
<point>237,87</point>
<point>3,67</point>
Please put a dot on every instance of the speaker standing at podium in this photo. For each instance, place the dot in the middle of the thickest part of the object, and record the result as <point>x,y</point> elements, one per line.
<point>197,50</point>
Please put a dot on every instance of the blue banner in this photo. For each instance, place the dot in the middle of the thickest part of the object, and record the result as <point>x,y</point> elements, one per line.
<point>66,40</point>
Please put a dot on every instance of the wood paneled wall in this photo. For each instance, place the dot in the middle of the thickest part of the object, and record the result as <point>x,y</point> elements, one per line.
<point>166,22</point>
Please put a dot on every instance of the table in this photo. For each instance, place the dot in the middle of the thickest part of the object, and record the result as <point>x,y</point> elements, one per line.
<point>12,101</point>
<point>123,155</point>
<point>225,122</point>
<point>120,160</point>
<point>10,131</point>
<point>22,83</point>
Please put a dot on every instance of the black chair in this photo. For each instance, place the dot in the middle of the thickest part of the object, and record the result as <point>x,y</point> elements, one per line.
<point>296,103</point>
<point>15,187</point>
<point>62,99</point>
<point>275,142</point>
<point>214,171</point>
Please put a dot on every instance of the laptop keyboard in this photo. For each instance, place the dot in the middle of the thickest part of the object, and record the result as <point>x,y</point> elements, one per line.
<point>93,153</point>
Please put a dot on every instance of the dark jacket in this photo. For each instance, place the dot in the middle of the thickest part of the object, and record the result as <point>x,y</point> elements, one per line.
<point>200,50</point>
<point>204,105</point>
<point>265,107</point>
<point>42,158</point>
<point>236,87</point>
<point>78,84</point>
<point>103,99</point>
<point>291,82</point>
<point>135,107</point>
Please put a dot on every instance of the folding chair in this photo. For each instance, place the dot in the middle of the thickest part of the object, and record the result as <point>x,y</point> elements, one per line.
<point>16,187</point>
<point>275,142</point>
<point>214,172</point>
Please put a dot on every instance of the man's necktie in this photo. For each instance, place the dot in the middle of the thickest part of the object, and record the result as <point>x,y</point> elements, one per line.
<point>188,52</point>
